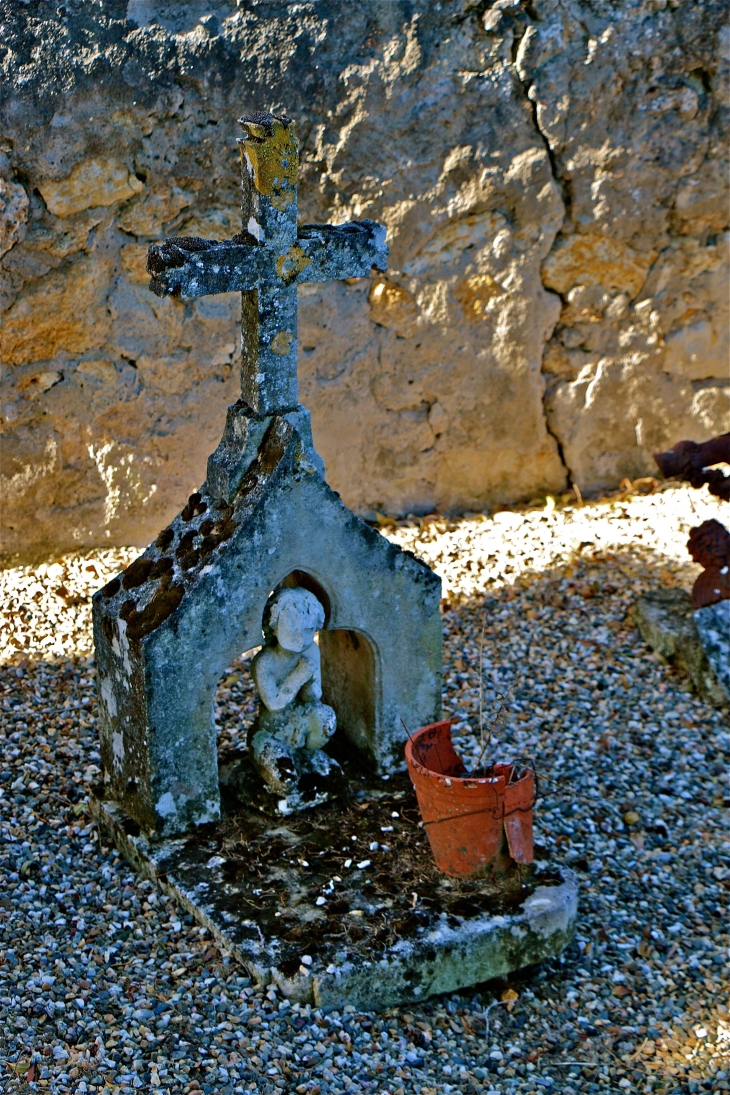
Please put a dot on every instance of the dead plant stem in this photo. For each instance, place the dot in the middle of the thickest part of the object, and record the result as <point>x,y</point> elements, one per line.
<point>481,691</point>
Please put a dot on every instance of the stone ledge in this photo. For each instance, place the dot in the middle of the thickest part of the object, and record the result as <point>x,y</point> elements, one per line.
<point>666,622</point>
<point>449,953</point>
<point>713,626</point>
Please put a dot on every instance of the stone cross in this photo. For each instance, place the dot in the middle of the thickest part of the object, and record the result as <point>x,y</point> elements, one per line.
<point>267,261</point>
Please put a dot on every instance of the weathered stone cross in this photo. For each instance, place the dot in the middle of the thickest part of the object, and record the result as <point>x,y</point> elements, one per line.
<point>265,518</point>
<point>267,261</point>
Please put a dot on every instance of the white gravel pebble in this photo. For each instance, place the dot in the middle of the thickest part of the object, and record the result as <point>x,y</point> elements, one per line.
<point>105,985</point>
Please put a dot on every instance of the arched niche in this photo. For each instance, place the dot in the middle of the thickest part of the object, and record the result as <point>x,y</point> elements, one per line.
<point>350,686</point>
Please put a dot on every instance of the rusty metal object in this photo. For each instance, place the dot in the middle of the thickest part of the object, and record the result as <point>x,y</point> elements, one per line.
<point>712,585</point>
<point>693,463</point>
<point>709,543</point>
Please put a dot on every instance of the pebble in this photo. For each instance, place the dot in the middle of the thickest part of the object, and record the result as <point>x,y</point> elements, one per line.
<point>106,985</point>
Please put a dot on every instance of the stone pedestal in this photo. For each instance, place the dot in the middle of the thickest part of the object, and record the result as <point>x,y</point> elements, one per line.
<point>335,921</point>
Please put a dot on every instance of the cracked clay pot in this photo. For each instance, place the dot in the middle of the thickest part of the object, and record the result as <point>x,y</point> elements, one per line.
<point>475,825</point>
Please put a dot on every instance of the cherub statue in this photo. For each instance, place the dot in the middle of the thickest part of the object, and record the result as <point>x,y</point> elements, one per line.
<point>293,724</point>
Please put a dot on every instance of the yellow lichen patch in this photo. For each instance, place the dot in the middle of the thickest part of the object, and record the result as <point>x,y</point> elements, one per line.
<point>475,293</point>
<point>281,343</point>
<point>590,259</point>
<point>290,265</point>
<point>274,160</point>
<point>392,306</point>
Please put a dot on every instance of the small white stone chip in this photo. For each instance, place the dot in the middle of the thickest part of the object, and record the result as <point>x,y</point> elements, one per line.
<point>363,864</point>
<point>306,959</point>
<point>348,862</point>
<point>374,846</point>
<point>321,901</point>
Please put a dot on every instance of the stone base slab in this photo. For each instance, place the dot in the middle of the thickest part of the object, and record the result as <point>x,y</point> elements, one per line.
<point>446,951</point>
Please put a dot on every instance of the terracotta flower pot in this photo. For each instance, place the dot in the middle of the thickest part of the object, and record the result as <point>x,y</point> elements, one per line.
<point>475,825</point>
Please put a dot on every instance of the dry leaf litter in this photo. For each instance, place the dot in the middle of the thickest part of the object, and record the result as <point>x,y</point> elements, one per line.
<point>105,985</point>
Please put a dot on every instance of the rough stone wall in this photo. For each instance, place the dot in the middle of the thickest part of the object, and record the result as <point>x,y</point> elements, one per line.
<point>550,172</point>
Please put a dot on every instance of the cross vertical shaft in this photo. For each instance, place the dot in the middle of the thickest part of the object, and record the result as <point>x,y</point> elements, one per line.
<point>269,168</point>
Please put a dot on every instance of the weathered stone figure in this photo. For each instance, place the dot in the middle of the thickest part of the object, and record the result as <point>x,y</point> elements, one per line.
<point>293,724</point>
<point>264,520</point>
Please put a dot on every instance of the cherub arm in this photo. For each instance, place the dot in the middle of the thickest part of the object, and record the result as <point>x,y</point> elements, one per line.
<point>312,691</point>
<point>274,694</point>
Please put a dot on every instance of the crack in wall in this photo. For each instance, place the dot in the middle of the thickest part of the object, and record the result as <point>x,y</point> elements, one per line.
<point>567,202</point>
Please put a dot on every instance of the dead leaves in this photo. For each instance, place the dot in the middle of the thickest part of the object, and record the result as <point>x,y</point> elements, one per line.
<point>23,1070</point>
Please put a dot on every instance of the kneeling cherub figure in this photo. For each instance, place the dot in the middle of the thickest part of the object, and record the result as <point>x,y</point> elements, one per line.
<point>293,725</point>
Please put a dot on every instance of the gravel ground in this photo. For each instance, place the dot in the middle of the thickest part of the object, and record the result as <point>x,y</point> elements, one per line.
<point>105,985</point>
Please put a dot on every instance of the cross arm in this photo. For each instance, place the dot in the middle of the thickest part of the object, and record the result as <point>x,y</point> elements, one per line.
<point>343,251</point>
<point>191,267</point>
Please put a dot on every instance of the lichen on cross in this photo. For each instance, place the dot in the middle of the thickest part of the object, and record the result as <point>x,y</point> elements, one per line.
<point>266,262</point>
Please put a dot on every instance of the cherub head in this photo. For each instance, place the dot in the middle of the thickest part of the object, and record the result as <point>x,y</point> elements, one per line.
<point>293,616</point>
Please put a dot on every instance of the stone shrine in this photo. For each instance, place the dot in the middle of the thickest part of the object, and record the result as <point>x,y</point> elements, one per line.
<point>266,555</point>
<point>167,627</point>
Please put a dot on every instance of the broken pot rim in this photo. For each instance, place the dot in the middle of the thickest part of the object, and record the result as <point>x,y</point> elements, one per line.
<point>499,783</point>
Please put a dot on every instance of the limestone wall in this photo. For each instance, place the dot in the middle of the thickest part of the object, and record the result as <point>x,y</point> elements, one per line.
<point>550,172</point>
